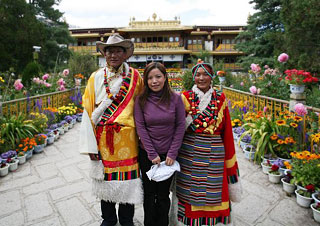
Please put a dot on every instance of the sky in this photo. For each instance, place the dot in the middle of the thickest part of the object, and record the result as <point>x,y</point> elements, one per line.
<point>117,13</point>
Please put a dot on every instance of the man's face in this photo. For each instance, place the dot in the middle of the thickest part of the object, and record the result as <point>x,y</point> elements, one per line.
<point>115,56</point>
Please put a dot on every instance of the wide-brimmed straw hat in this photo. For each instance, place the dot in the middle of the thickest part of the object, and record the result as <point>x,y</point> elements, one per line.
<point>116,40</point>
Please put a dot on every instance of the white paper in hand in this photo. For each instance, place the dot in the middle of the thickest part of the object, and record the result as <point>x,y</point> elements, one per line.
<point>162,172</point>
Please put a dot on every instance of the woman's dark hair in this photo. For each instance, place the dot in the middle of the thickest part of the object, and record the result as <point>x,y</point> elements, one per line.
<point>167,92</point>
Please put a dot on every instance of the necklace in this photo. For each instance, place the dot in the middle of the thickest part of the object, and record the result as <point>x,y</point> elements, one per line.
<point>208,116</point>
<point>123,88</point>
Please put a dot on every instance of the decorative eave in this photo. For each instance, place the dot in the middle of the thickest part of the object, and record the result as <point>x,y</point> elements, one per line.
<point>199,33</point>
<point>222,53</point>
<point>161,51</point>
<point>141,29</point>
<point>86,35</point>
<point>226,32</point>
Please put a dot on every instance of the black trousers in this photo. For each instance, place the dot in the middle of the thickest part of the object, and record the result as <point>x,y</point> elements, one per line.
<point>109,215</point>
<point>156,203</point>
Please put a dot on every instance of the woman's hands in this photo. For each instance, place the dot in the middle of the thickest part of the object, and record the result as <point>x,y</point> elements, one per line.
<point>157,160</point>
<point>169,161</point>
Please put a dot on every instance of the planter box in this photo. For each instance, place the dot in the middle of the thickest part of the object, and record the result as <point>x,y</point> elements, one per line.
<point>265,169</point>
<point>316,213</point>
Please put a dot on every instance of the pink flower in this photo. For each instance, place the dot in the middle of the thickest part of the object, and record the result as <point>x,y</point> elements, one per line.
<point>266,66</point>
<point>283,57</point>
<point>45,76</point>
<point>253,89</point>
<point>241,83</point>
<point>47,84</point>
<point>231,86</point>
<point>300,109</point>
<point>62,88</point>
<point>61,82</point>
<point>36,80</point>
<point>255,68</point>
<point>65,72</point>
<point>18,85</point>
<point>265,109</point>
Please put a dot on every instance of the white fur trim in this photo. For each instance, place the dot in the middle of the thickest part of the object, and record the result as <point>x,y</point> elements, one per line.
<point>97,113</point>
<point>235,191</point>
<point>87,139</point>
<point>103,100</point>
<point>97,170</point>
<point>204,98</point>
<point>129,191</point>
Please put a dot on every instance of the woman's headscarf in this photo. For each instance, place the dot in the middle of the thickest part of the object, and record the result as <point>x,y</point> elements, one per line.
<point>206,67</point>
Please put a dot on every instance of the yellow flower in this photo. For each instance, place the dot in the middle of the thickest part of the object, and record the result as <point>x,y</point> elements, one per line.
<point>280,141</point>
<point>294,125</point>
<point>297,118</point>
<point>280,122</point>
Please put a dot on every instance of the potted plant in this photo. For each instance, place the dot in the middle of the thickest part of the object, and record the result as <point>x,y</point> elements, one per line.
<point>221,76</point>
<point>274,174</point>
<point>13,164</point>
<point>15,129</point>
<point>304,198</point>
<point>305,169</point>
<point>297,79</point>
<point>50,136</point>
<point>27,146</point>
<point>249,151</point>
<point>316,211</point>
<point>4,168</point>
<point>266,166</point>
<point>69,119</point>
<point>316,197</point>
<point>245,140</point>
<point>79,117</point>
<point>40,140</point>
<point>21,157</point>
<point>287,185</point>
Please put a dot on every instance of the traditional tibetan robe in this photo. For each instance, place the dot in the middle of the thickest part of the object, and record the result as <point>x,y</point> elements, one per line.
<point>108,130</point>
<point>208,162</point>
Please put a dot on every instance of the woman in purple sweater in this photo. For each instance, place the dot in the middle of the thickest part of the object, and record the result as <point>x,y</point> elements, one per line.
<point>160,122</point>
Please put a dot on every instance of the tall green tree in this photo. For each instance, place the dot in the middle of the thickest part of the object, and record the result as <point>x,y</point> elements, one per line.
<point>20,30</point>
<point>302,33</point>
<point>264,34</point>
<point>56,32</point>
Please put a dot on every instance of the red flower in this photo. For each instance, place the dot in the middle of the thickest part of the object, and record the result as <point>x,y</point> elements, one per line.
<point>310,188</point>
<point>274,167</point>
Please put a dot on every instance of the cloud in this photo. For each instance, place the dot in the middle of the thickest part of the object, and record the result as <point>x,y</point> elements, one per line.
<point>98,13</point>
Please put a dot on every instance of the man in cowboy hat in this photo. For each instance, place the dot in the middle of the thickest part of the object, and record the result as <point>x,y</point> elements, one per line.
<point>108,132</point>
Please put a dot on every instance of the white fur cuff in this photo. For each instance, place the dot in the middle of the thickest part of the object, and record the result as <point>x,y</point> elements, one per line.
<point>235,191</point>
<point>96,170</point>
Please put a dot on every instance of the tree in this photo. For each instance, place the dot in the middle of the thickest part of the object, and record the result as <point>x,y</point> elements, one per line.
<point>264,34</point>
<point>56,32</point>
<point>20,30</point>
<point>302,33</point>
<point>83,63</point>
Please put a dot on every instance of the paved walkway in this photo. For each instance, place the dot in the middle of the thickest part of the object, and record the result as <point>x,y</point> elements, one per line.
<point>53,188</point>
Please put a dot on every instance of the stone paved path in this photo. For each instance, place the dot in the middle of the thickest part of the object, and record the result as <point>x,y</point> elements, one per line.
<point>53,188</point>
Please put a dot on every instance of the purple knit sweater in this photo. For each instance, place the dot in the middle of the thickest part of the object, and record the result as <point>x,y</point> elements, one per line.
<point>160,127</point>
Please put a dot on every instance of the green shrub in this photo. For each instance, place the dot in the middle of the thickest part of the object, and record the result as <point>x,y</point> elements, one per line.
<point>33,69</point>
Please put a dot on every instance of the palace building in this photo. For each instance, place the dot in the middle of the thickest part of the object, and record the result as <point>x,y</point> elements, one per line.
<point>166,41</point>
